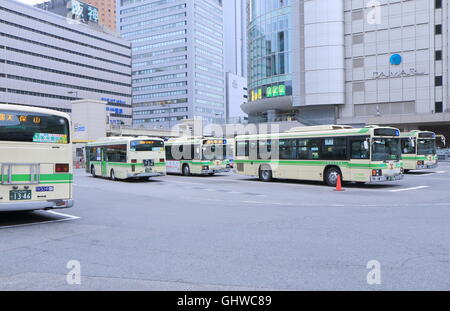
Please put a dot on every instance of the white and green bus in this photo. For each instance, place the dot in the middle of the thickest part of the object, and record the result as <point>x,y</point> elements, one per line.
<point>419,150</point>
<point>197,155</point>
<point>35,159</point>
<point>120,158</point>
<point>322,153</point>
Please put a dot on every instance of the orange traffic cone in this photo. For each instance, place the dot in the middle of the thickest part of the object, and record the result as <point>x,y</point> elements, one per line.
<point>339,184</point>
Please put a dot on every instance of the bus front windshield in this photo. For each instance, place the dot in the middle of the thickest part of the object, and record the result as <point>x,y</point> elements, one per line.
<point>386,149</point>
<point>214,152</point>
<point>146,145</point>
<point>426,146</point>
<point>33,127</point>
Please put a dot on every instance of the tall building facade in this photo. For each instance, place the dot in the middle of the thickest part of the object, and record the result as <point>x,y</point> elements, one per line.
<point>235,42</point>
<point>105,15</point>
<point>178,59</point>
<point>349,61</point>
<point>49,61</point>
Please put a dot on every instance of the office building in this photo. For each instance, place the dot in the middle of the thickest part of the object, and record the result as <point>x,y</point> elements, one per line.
<point>48,61</point>
<point>178,60</point>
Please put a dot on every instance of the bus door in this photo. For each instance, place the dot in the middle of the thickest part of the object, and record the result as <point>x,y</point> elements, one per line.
<point>104,162</point>
<point>360,159</point>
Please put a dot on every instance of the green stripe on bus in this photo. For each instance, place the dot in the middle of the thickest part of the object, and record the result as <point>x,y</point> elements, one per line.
<point>415,158</point>
<point>126,164</point>
<point>43,177</point>
<point>317,163</point>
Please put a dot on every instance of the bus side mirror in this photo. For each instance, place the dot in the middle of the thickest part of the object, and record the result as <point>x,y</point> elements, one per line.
<point>366,145</point>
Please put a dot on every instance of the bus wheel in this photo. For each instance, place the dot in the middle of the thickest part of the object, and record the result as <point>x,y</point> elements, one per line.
<point>93,171</point>
<point>211,174</point>
<point>331,176</point>
<point>186,170</point>
<point>112,175</point>
<point>265,174</point>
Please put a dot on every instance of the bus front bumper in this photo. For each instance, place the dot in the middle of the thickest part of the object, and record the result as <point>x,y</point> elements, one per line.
<point>216,170</point>
<point>142,175</point>
<point>35,205</point>
<point>386,178</point>
<point>425,167</point>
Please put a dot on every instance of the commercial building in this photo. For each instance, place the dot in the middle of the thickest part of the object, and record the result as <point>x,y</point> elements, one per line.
<point>350,62</point>
<point>178,59</point>
<point>48,61</point>
<point>102,12</point>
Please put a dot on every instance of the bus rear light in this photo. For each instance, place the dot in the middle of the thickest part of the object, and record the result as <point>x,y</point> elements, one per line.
<point>205,167</point>
<point>134,161</point>
<point>62,168</point>
<point>162,160</point>
<point>376,173</point>
<point>420,162</point>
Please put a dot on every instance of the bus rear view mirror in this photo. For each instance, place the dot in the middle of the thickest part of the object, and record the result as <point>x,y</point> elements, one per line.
<point>366,145</point>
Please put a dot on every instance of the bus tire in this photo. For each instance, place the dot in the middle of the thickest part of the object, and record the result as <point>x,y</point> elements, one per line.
<point>265,174</point>
<point>93,171</point>
<point>331,176</point>
<point>211,174</point>
<point>186,171</point>
<point>112,175</point>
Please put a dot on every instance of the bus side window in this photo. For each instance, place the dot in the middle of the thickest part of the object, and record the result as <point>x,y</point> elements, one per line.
<point>407,146</point>
<point>242,148</point>
<point>358,149</point>
<point>303,151</point>
<point>169,155</point>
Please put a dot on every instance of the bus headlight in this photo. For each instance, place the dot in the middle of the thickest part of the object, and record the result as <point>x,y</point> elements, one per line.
<point>377,173</point>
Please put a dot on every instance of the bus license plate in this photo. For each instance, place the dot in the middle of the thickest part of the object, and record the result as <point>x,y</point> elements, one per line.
<point>148,163</point>
<point>19,195</point>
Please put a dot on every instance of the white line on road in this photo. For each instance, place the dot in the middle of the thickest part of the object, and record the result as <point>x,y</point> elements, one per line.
<point>69,218</point>
<point>253,202</point>
<point>409,189</point>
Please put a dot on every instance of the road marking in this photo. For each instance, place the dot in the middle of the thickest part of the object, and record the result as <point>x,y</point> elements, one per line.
<point>441,172</point>
<point>253,202</point>
<point>69,218</point>
<point>409,189</point>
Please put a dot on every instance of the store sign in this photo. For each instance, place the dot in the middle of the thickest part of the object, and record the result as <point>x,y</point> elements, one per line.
<point>397,74</point>
<point>84,12</point>
<point>396,60</point>
<point>271,91</point>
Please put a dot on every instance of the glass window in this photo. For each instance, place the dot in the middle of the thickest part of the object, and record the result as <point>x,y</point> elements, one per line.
<point>116,153</point>
<point>334,149</point>
<point>407,146</point>
<point>242,148</point>
<point>33,127</point>
<point>288,149</point>
<point>386,149</point>
<point>426,146</point>
<point>359,148</point>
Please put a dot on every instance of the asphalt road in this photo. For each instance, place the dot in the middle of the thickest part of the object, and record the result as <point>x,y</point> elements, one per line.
<point>229,232</point>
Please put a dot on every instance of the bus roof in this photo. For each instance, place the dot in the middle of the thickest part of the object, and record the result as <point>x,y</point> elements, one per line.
<point>192,139</point>
<point>319,131</point>
<point>34,109</point>
<point>120,139</point>
<point>416,133</point>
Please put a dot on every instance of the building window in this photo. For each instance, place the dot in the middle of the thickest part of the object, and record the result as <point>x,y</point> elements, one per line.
<point>438,81</point>
<point>438,55</point>
<point>438,107</point>
<point>438,29</point>
<point>438,4</point>
<point>358,39</point>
